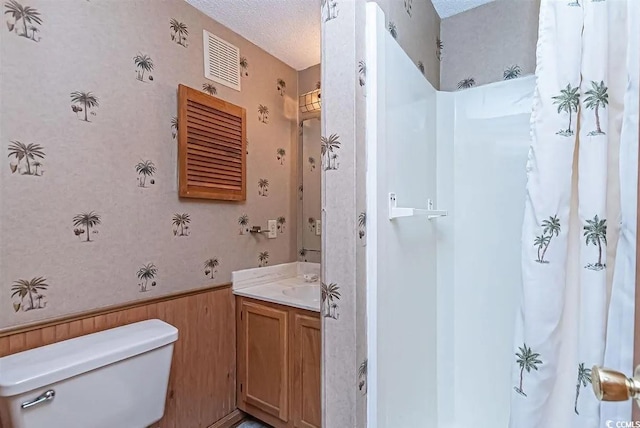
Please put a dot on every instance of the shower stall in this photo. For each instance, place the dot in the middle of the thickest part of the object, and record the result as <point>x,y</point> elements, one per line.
<point>446,179</point>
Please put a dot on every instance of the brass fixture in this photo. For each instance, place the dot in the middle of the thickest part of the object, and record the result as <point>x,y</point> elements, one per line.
<point>610,385</point>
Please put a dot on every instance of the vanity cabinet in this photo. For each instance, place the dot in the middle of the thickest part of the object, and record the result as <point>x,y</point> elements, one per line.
<point>305,393</point>
<point>278,363</point>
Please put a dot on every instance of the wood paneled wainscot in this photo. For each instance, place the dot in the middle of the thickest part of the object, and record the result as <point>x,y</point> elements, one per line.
<point>278,363</point>
<point>202,384</point>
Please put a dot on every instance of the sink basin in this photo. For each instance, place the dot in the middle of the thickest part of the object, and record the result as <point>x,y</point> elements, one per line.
<point>309,293</point>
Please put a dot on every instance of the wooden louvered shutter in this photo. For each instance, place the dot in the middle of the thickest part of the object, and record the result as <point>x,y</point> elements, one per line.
<point>211,147</point>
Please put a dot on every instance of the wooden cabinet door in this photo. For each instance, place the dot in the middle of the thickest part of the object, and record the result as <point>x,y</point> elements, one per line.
<point>306,370</point>
<point>263,365</point>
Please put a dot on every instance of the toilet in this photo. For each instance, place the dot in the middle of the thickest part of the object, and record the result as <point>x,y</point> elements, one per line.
<point>114,378</point>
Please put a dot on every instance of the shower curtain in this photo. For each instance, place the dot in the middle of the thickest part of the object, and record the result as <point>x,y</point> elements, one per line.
<point>578,246</point>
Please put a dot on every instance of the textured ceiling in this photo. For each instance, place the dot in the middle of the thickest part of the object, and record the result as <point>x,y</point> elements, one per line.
<point>447,8</point>
<point>290,29</point>
<point>287,29</point>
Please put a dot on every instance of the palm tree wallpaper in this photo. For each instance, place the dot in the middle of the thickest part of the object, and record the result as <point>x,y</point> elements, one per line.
<point>144,155</point>
<point>330,296</point>
<point>31,289</point>
<point>327,148</point>
<point>527,360</point>
<point>174,127</point>
<point>597,97</point>
<point>281,86</point>
<point>329,10</point>
<point>263,187</point>
<point>34,30</point>
<point>263,258</point>
<point>209,88</point>
<point>36,165</point>
<point>145,273</point>
<point>243,222</point>
<point>211,267</point>
<point>408,4</point>
<point>143,63</point>
<point>584,378</point>
<point>312,163</point>
<point>25,158</point>
<point>512,72</point>
<point>263,113</point>
<point>145,169</point>
<point>83,223</point>
<point>439,48</point>
<point>550,228</point>
<point>567,102</point>
<point>180,224</point>
<point>362,224</point>
<point>362,72</point>
<point>467,83</point>
<point>362,376</point>
<point>595,233</point>
<point>179,32</point>
<point>244,66</point>
<point>25,20</point>
<point>393,30</point>
<point>82,102</point>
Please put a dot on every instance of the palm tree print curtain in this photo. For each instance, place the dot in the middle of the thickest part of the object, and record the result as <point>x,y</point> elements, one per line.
<point>578,254</point>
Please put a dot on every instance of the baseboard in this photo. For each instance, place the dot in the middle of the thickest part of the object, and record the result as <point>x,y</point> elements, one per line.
<point>230,421</point>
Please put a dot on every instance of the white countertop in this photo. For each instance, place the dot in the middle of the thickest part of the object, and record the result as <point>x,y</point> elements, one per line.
<point>281,284</point>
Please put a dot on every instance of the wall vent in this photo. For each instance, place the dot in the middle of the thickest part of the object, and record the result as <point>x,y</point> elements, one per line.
<point>221,61</point>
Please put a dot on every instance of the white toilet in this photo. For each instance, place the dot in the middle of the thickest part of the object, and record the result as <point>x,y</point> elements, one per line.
<point>117,378</point>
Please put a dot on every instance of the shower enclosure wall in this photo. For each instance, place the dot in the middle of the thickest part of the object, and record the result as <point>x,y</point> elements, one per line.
<point>442,292</point>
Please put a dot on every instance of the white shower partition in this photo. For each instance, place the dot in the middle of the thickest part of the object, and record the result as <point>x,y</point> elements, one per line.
<point>441,293</point>
<point>483,142</point>
<point>401,253</point>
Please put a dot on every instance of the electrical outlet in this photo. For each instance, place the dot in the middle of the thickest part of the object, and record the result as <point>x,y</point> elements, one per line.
<point>318,227</point>
<point>273,229</point>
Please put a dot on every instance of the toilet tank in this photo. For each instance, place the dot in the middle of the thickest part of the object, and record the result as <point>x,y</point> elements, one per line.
<point>114,378</point>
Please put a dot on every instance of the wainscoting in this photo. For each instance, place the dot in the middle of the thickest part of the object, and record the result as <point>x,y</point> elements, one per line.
<point>202,385</point>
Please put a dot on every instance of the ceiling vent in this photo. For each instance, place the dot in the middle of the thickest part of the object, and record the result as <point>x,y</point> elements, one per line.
<point>221,61</point>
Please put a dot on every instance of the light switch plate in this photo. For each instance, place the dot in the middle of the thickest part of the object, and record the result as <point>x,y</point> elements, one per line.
<point>273,229</point>
<point>318,227</point>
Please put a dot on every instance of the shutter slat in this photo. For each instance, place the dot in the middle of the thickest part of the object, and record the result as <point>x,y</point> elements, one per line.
<point>215,186</point>
<point>195,163</point>
<point>213,178</point>
<point>212,151</point>
<point>202,110</point>
<point>216,121</point>
<point>195,134</point>
<point>197,160</point>
<point>203,125</point>
<point>215,111</point>
<point>211,172</point>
